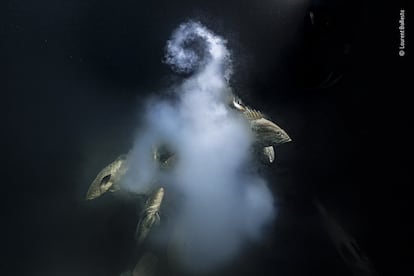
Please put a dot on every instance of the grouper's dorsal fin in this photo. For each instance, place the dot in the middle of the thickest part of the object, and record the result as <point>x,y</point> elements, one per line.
<point>157,219</point>
<point>237,103</point>
<point>249,113</point>
<point>252,114</point>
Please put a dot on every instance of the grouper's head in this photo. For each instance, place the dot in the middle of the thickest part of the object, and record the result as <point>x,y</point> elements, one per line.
<point>268,133</point>
<point>107,179</point>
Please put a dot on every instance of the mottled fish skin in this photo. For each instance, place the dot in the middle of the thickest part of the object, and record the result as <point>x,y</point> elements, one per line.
<point>150,215</point>
<point>108,178</point>
<point>268,134</point>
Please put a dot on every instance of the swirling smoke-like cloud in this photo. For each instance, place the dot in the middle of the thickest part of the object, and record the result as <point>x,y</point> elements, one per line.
<point>223,202</point>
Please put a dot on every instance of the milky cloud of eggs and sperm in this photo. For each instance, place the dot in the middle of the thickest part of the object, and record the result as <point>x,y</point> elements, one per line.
<point>222,201</point>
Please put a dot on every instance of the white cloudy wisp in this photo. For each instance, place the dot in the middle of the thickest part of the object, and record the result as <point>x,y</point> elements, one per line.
<point>221,203</point>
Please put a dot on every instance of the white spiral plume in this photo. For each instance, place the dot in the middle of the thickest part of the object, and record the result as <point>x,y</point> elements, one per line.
<point>193,47</point>
<point>221,205</point>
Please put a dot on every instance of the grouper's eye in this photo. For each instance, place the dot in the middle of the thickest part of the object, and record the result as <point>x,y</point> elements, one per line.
<point>105,180</point>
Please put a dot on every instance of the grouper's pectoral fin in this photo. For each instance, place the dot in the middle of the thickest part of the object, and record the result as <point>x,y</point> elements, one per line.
<point>157,220</point>
<point>269,154</point>
<point>114,188</point>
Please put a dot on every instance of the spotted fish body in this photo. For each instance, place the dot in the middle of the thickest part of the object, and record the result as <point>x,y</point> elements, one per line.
<point>150,215</point>
<point>268,134</point>
<point>108,178</point>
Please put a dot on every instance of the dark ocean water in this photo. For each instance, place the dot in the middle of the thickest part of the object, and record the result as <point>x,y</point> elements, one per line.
<point>74,74</point>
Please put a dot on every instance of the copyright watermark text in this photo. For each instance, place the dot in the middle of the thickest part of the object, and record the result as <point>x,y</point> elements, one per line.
<point>401,28</point>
